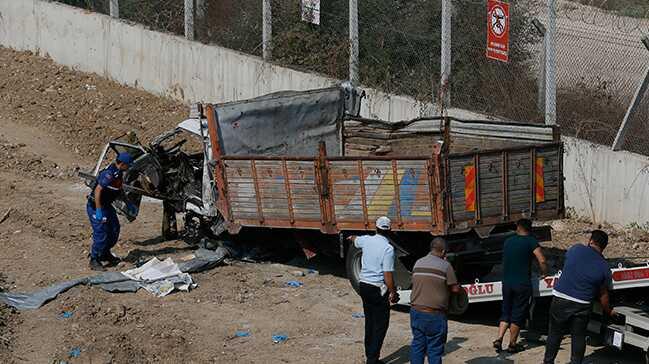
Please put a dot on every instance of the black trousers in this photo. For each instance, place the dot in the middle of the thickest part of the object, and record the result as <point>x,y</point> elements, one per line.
<point>567,316</point>
<point>377,319</point>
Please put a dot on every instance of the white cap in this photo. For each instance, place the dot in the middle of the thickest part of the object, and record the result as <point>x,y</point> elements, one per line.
<point>383,223</point>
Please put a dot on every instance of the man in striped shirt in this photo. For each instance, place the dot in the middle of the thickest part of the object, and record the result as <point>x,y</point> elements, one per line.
<point>433,280</point>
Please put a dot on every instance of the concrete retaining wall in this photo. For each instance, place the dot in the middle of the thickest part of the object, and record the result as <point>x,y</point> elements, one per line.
<point>600,184</point>
<point>604,185</point>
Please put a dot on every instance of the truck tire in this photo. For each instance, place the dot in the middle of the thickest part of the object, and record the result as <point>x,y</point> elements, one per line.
<point>353,265</point>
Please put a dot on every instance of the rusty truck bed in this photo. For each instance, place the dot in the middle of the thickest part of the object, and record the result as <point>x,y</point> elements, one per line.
<point>441,193</point>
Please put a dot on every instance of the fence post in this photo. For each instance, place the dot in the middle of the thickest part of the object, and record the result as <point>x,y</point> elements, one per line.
<point>114,8</point>
<point>551,66</point>
<point>541,78</point>
<point>633,108</point>
<point>267,30</point>
<point>445,72</point>
<point>189,19</point>
<point>353,43</point>
<point>199,27</point>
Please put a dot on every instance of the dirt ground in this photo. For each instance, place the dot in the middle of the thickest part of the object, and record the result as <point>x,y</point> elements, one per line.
<point>54,121</point>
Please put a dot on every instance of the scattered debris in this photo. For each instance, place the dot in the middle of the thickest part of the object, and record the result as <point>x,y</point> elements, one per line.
<point>298,273</point>
<point>358,315</point>
<point>159,278</point>
<point>279,338</point>
<point>5,216</point>
<point>66,314</point>
<point>294,284</point>
<point>74,353</point>
<point>242,333</point>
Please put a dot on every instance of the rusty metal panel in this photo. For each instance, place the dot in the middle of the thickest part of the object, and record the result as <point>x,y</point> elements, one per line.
<point>365,190</point>
<point>519,190</point>
<point>304,191</point>
<point>491,187</point>
<point>271,192</point>
<point>346,187</point>
<point>272,189</point>
<point>334,194</point>
<point>241,188</point>
<point>505,187</point>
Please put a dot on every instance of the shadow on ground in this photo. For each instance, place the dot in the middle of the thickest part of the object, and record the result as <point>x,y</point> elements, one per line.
<point>137,255</point>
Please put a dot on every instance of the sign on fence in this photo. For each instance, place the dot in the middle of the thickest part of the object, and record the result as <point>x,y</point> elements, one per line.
<point>498,30</point>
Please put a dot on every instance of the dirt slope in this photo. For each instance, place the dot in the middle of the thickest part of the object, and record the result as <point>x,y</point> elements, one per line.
<point>77,110</point>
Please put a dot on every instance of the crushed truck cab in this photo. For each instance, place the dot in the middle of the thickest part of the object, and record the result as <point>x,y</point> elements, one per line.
<point>308,162</point>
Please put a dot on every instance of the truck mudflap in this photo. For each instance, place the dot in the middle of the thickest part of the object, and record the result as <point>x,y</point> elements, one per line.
<point>623,278</point>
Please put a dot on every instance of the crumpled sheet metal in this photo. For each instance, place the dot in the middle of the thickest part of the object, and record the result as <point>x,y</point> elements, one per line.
<point>115,281</point>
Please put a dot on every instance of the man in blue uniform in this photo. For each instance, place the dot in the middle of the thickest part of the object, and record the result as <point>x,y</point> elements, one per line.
<point>102,215</point>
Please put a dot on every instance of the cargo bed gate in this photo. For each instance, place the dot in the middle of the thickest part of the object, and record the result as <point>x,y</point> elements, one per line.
<point>439,194</point>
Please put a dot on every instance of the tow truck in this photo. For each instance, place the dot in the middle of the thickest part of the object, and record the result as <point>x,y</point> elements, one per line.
<point>629,328</point>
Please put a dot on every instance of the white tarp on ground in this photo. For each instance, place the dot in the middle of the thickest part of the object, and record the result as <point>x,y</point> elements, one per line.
<point>161,277</point>
<point>157,277</point>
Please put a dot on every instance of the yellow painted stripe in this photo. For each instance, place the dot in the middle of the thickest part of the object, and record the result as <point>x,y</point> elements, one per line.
<point>383,198</point>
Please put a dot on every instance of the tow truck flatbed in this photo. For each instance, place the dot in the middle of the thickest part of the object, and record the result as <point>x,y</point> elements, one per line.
<point>623,278</point>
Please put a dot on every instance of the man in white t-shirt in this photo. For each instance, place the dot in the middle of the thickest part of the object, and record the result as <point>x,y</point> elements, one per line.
<point>376,286</point>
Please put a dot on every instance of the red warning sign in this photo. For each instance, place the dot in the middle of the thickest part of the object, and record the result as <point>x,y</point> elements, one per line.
<point>498,30</point>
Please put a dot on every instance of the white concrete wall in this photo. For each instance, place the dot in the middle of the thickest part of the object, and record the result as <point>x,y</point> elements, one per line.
<point>162,63</point>
<point>604,185</point>
<point>601,184</point>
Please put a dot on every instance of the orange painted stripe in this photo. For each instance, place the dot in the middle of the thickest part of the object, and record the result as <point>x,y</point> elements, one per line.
<point>469,188</point>
<point>540,183</point>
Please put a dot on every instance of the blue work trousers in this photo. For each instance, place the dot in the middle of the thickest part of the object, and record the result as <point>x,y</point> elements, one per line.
<point>429,332</point>
<point>104,234</point>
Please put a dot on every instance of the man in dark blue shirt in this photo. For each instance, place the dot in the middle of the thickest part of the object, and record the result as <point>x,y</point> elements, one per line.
<point>518,253</point>
<point>586,276</point>
<point>102,215</point>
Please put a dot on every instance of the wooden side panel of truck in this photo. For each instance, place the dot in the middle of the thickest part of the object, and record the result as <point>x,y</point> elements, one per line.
<point>441,194</point>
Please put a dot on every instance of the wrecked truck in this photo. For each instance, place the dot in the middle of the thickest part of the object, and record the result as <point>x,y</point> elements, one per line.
<point>306,162</point>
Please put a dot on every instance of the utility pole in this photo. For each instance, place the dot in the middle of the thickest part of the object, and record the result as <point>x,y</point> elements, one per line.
<point>445,72</point>
<point>189,19</point>
<point>267,30</point>
<point>353,43</point>
<point>200,18</point>
<point>114,8</point>
<point>540,102</point>
<point>551,65</point>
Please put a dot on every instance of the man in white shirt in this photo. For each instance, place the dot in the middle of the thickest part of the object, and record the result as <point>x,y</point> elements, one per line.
<point>376,286</point>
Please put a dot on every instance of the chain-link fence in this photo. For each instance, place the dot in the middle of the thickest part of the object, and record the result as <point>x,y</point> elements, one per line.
<point>399,44</point>
<point>599,55</point>
<point>100,6</point>
<point>507,89</point>
<point>597,75</point>
<point>234,24</point>
<point>319,43</point>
